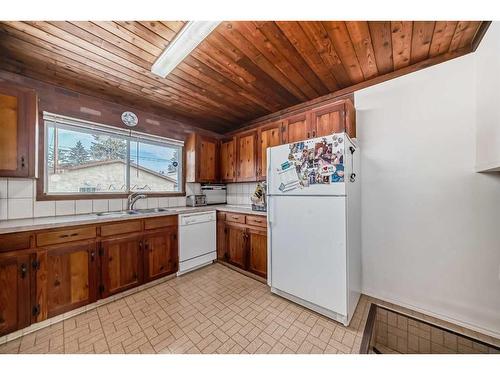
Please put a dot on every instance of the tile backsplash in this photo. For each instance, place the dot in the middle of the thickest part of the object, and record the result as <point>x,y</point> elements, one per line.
<point>18,201</point>
<point>240,193</point>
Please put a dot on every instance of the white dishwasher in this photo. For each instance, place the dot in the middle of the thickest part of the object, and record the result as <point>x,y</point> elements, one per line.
<point>197,241</point>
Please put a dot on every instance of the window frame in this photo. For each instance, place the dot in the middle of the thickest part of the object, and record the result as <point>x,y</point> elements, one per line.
<point>46,118</point>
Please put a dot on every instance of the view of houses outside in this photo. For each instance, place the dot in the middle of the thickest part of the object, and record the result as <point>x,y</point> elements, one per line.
<point>80,162</point>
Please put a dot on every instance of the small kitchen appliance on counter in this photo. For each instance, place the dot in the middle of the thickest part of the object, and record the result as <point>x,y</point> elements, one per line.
<point>196,200</point>
<point>258,198</point>
<point>215,193</point>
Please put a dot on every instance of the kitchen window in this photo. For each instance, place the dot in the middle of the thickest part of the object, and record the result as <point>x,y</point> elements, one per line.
<point>85,158</point>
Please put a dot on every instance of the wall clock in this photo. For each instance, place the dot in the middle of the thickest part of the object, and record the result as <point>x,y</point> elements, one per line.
<point>129,119</point>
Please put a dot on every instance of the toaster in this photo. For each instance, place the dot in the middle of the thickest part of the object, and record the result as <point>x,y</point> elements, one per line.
<point>196,200</point>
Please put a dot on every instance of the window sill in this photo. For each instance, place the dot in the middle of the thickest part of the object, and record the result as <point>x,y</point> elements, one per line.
<point>56,197</point>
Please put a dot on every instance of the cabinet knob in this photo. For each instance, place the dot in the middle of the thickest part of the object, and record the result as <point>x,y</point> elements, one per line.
<point>23,164</point>
<point>24,270</point>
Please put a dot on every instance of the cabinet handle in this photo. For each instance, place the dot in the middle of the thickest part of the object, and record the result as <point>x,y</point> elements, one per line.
<point>57,283</point>
<point>92,256</point>
<point>2,320</point>
<point>314,133</point>
<point>24,270</point>
<point>22,162</point>
<point>308,135</point>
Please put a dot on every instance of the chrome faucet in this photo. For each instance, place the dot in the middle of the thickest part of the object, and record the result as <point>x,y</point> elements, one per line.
<point>134,197</point>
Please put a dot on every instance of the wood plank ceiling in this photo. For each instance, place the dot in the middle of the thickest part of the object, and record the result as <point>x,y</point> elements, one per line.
<point>242,71</point>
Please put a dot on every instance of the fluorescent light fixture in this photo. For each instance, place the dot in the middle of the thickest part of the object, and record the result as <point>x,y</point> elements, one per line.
<point>192,34</point>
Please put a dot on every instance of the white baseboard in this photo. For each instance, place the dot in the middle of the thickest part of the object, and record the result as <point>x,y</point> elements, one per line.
<point>445,318</point>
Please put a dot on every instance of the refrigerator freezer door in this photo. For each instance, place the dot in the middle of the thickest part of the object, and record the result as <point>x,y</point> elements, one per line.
<point>283,179</point>
<point>308,249</point>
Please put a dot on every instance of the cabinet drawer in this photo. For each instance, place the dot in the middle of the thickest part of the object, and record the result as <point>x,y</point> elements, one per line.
<point>258,221</point>
<point>14,241</point>
<point>65,235</point>
<point>235,218</point>
<point>121,228</point>
<point>160,222</point>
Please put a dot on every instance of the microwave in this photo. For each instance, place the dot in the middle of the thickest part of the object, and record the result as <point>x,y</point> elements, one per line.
<point>215,193</point>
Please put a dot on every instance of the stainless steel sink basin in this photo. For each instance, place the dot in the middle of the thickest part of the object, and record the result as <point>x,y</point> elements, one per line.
<point>118,213</point>
<point>150,210</point>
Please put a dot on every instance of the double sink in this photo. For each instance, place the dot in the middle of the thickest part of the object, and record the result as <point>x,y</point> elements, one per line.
<point>133,212</point>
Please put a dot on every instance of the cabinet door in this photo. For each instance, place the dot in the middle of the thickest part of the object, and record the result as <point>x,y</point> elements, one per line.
<point>227,161</point>
<point>327,120</point>
<point>14,293</point>
<point>66,278</point>
<point>18,126</point>
<point>257,247</point>
<point>221,236</point>
<point>247,157</point>
<point>121,264</point>
<point>236,245</point>
<point>269,136</point>
<point>207,162</point>
<point>161,253</point>
<point>296,128</point>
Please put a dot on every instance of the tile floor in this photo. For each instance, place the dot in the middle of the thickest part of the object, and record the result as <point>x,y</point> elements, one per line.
<point>212,310</point>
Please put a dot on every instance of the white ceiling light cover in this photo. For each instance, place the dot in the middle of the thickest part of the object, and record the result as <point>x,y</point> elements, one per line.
<point>191,35</point>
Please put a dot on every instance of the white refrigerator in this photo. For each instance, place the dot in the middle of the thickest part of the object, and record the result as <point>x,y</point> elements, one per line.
<point>314,224</point>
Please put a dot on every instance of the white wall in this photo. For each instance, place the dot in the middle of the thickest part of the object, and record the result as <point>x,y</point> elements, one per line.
<point>488,109</point>
<point>430,223</point>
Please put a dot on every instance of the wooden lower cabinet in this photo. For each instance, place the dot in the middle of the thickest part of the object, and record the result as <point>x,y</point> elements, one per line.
<point>257,251</point>
<point>243,245</point>
<point>121,264</point>
<point>14,293</point>
<point>161,255</point>
<point>49,272</point>
<point>66,277</point>
<point>221,236</point>
<point>236,245</point>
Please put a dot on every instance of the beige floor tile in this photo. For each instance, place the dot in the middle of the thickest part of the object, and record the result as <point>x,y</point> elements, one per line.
<point>212,310</point>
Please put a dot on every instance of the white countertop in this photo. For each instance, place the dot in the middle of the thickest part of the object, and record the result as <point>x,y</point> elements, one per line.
<point>37,223</point>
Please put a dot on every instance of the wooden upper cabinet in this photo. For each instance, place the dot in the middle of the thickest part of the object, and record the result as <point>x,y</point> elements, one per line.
<point>18,120</point>
<point>333,118</point>
<point>296,128</point>
<point>228,161</point>
<point>269,135</point>
<point>121,263</point>
<point>66,278</point>
<point>202,155</point>
<point>247,157</point>
<point>327,120</point>
<point>14,293</point>
<point>161,253</point>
